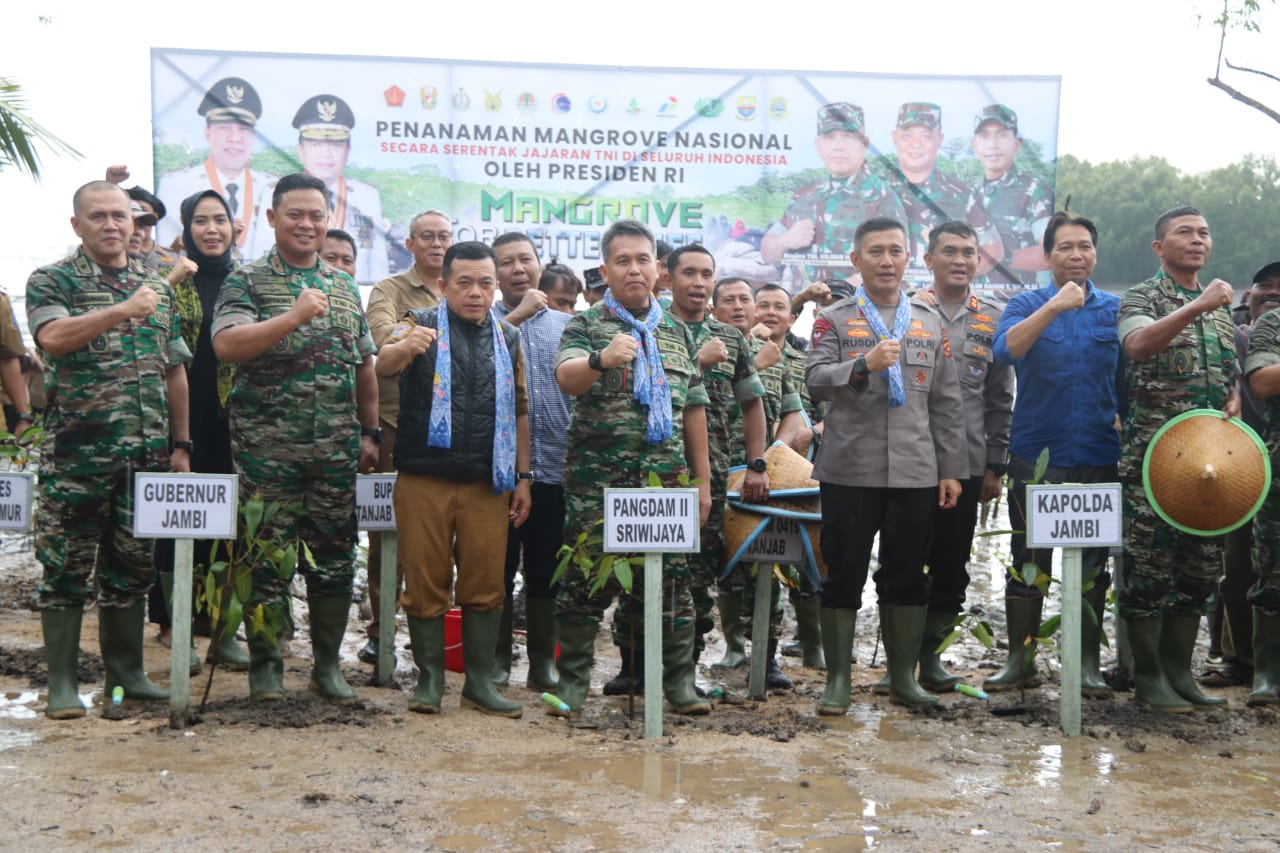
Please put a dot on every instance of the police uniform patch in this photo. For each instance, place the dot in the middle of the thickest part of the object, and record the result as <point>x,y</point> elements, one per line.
<point>921,377</point>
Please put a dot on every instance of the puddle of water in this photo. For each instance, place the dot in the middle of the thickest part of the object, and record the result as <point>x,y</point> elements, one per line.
<point>12,738</point>
<point>18,706</point>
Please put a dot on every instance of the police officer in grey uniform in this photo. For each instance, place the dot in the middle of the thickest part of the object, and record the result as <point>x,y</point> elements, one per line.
<point>893,450</point>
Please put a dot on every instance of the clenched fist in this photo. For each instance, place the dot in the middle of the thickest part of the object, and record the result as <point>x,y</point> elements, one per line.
<point>621,350</point>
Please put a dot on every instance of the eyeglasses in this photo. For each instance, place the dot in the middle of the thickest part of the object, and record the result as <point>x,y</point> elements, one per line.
<point>434,237</point>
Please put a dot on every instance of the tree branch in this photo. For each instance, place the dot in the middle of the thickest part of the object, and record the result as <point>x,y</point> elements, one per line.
<point>1245,99</point>
<point>1266,74</point>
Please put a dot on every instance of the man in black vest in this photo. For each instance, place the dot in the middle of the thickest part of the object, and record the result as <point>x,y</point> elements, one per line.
<point>462,457</point>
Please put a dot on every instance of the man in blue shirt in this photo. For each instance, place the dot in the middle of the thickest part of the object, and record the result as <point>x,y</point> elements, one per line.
<point>1063,345</point>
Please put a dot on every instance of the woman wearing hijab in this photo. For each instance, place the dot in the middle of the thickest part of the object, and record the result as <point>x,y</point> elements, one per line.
<point>207,239</point>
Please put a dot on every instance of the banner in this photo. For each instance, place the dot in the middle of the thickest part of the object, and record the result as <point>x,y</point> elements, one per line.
<point>771,170</point>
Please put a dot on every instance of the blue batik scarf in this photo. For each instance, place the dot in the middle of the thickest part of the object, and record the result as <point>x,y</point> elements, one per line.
<point>901,321</point>
<point>440,433</point>
<point>652,390</point>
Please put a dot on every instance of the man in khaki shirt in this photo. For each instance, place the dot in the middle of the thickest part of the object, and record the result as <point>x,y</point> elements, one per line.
<point>430,236</point>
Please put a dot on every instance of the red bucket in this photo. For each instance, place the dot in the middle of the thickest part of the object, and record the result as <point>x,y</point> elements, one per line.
<point>453,640</point>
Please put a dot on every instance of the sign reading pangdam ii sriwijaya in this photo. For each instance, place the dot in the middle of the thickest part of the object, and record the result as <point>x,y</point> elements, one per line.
<point>771,170</point>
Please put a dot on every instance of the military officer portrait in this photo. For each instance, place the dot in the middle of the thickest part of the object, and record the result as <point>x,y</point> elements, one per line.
<point>821,218</point>
<point>931,197</point>
<point>324,124</point>
<point>231,109</point>
<point>1017,203</point>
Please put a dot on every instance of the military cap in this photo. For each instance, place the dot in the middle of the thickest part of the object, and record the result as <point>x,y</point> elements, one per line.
<point>842,115</point>
<point>841,289</point>
<point>998,113</point>
<point>324,117</point>
<point>140,194</point>
<point>1271,270</point>
<point>141,215</point>
<point>231,99</point>
<point>918,112</point>
<point>592,279</point>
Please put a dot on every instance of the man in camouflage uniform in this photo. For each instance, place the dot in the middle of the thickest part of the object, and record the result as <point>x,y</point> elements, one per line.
<point>1180,341</point>
<point>735,306</point>
<point>1019,204</point>
<point>614,441</point>
<point>821,218</point>
<point>304,411</point>
<point>1263,370</point>
<point>116,385</point>
<point>931,197</point>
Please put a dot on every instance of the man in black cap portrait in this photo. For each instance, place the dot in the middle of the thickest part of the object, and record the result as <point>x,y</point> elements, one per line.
<point>324,124</point>
<point>231,109</point>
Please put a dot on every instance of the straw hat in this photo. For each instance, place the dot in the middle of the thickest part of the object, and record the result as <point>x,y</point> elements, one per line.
<point>788,472</point>
<point>1206,474</point>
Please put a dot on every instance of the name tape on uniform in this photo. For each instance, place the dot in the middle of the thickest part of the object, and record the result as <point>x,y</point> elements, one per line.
<point>374,509</point>
<point>779,542</point>
<point>185,506</point>
<point>15,501</point>
<point>651,520</point>
<point>1073,515</point>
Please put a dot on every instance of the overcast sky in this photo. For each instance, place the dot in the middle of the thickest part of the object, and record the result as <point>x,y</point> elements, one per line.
<point>1133,71</point>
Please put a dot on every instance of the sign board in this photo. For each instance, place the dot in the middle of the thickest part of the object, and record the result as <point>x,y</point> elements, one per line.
<point>1074,515</point>
<point>779,542</point>
<point>15,501</point>
<point>185,506</point>
<point>374,510</point>
<point>651,520</point>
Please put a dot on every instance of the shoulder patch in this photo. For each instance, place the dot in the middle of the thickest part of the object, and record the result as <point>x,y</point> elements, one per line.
<point>401,330</point>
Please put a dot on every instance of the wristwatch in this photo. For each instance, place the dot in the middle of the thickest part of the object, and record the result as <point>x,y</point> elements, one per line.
<point>860,367</point>
<point>372,432</point>
<point>593,361</point>
<point>525,475</point>
<point>758,465</point>
<point>189,446</point>
<point>29,417</point>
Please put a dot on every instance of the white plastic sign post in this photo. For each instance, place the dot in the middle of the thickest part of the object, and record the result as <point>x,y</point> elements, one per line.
<point>1072,517</point>
<point>653,522</point>
<point>183,507</point>
<point>15,501</point>
<point>778,543</point>
<point>377,514</point>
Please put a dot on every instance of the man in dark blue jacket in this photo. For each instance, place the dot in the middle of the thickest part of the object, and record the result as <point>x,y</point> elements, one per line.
<point>462,461</point>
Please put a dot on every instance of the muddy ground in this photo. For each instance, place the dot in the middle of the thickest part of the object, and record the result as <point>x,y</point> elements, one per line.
<point>305,774</point>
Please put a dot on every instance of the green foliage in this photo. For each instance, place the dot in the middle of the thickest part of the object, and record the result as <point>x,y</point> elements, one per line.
<point>21,135</point>
<point>977,627</point>
<point>17,448</point>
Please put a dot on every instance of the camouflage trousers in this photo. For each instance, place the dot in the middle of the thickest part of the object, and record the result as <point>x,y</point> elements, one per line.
<point>86,522</point>
<point>317,506</point>
<point>742,583</point>
<point>1265,592</point>
<point>576,603</point>
<point>1165,570</point>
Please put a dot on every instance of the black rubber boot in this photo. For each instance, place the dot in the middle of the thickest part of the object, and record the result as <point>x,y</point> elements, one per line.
<point>630,679</point>
<point>328,625</point>
<point>774,677</point>
<point>426,639</point>
<point>1022,615</point>
<point>903,630</point>
<point>62,656</point>
<point>479,638</point>
<point>120,636</point>
<point>1177,643</point>
<point>838,628</point>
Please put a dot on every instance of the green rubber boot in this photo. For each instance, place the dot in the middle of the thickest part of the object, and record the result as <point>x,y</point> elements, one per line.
<point>1022,616</point>
<point>809,631</point>
<point>1151,688</point>
<point>479,639</point>
<point>228,654</point>
<point>838,627</point>
<point>328,625</point>
<point>166,586</point>
<point>734,630</point>
<point>1177,643</point>
<point>577,653</point>
<point>62,655</point>
<point>1092,684</point>
<point>540,643</point>
<point>933,676</point>
<point>426,639</point>
<point>1266,660</point>
<point>678,671</point>
<point>266,666</point>
<point>903,628</point>
<point>120,636</point>
<point>502,648</point>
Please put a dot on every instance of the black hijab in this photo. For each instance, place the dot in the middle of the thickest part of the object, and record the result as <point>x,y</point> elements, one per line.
<point>211,270</point>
